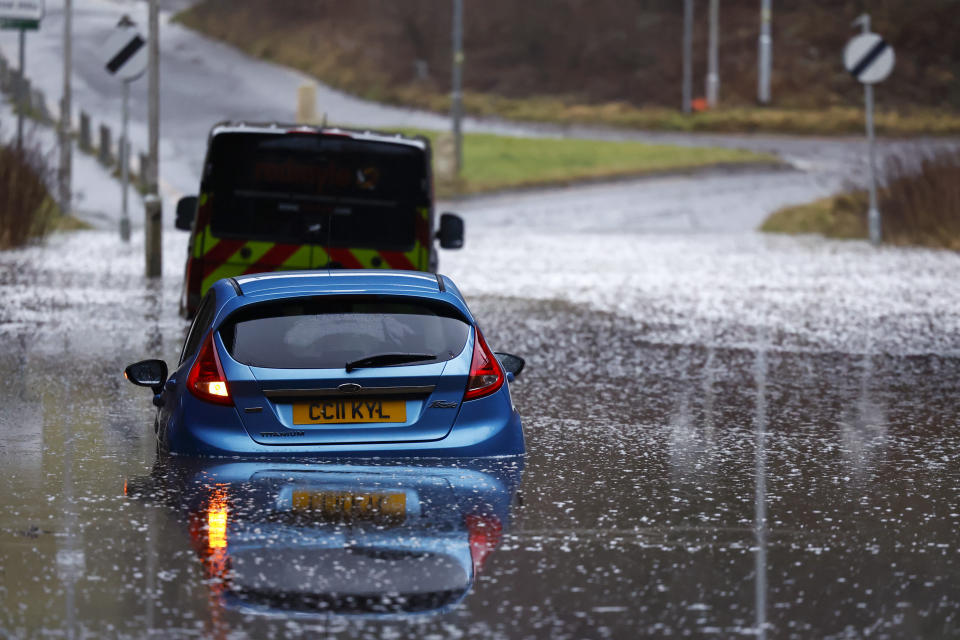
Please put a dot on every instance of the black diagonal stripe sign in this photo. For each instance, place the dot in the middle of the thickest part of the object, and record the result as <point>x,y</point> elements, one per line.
<point>869,58</point>
<point>125,54</point>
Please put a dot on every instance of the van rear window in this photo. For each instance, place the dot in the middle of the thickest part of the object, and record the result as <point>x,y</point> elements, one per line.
<point>327,190</point>
<point>327,333</point>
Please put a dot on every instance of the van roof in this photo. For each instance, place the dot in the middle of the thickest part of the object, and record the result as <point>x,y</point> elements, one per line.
<point>275,128</point>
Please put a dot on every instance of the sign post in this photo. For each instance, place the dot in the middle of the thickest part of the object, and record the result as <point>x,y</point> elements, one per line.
<point>456,95</point>
<point>125,56</point>
<point>869,59</point>
<point>23,15</point>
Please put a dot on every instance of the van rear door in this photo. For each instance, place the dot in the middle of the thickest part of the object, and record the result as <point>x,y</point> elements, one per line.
<point>305,199</point>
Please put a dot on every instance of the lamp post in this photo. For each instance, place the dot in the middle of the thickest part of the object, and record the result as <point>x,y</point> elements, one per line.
<point>456,95</point>
<point>713,72</point>
<point>687,55</point>
<point>765,54</point>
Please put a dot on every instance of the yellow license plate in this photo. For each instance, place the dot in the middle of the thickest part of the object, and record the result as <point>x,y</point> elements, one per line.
<point>356,411</point>
<point>348,506</point>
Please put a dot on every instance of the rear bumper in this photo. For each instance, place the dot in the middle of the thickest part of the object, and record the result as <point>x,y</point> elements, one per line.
<point>486,427</point>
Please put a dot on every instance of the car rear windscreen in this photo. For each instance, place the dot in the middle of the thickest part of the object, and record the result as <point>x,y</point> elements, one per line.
<point>328,333</point>
<point>321,189</point>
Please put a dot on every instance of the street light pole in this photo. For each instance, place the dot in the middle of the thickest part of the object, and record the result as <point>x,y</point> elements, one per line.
<point>153,98</point>
<point>21,86</point>
<point>66,140</point>
<point>713,73</point>
<point>456,95</point>
<point>153,207</point>
<point>765,54</point>
<point>687,55</point>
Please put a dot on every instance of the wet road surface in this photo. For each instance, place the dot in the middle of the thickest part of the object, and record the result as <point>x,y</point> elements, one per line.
<point>727,435</point>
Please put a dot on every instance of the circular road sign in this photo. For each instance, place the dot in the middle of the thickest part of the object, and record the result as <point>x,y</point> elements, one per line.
<point>868,58</point>
<point>125,53</point>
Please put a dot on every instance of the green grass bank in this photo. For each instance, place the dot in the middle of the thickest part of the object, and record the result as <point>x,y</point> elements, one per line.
<point>495,163</point>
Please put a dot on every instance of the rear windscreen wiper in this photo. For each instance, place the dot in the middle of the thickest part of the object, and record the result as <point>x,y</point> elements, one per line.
<point>387,359</point>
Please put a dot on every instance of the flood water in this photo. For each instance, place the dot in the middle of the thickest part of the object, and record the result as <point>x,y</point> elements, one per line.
<point>684,476</point>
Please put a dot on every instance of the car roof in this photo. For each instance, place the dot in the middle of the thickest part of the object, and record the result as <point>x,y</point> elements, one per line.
<point>275,128</point>
<point>233,293</point>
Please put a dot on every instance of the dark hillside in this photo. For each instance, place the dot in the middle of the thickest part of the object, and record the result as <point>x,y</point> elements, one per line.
<point>594,51</point>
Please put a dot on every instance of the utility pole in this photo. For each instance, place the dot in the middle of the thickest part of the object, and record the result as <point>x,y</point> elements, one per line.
<point>713,73</point>
<point>66,140</point>
<point>765,54</point>
<point>153,206</point>
<point>456,95</point>
<point>21,89</point>
<point>687,55</point>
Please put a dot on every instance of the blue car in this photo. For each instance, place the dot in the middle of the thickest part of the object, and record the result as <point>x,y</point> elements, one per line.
<point>335,363</point>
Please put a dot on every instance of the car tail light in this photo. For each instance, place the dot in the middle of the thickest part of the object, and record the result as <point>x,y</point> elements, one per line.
<point>486,374</point>
<point>485,534</point>
<point>206,379</point>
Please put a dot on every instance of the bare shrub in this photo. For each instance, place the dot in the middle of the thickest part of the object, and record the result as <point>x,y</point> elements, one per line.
<point>26,208</point>
<point>921,200</point>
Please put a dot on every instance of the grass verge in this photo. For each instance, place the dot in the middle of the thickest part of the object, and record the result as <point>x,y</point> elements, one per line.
<point>64,223</point>
<point>27,209</point>
<point>494,163</point>
<point>831,121</point>
<point>919,205</point>
<point>840,216</point>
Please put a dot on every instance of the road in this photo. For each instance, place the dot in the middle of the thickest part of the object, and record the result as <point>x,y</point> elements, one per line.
<point>204,82</point>
<point>728,433</point>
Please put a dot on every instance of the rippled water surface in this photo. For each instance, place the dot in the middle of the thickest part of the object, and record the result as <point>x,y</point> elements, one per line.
<point>726,436</point>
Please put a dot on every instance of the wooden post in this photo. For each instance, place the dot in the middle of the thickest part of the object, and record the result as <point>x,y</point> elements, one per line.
<point>105,154</point>
<point>85,142</point>
<point>153,214</point>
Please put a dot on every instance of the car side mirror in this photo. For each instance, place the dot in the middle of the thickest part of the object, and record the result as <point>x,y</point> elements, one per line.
<point>147,373</point>
<point>186,210</point>
<point>451,231</point>
<point>512,364</point>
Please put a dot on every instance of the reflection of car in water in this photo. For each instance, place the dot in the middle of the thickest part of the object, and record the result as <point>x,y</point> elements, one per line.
<point>325,538</point>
